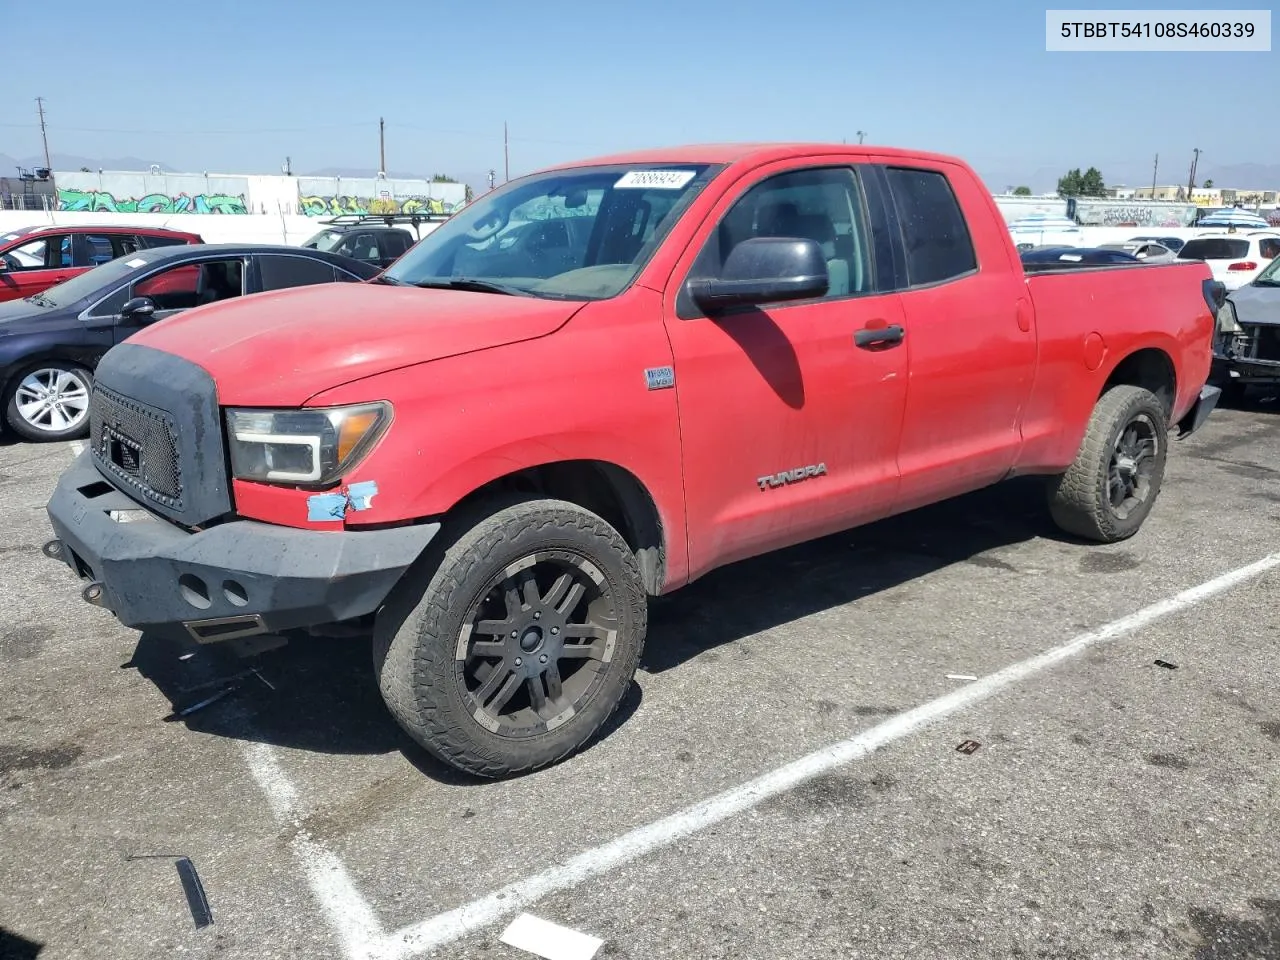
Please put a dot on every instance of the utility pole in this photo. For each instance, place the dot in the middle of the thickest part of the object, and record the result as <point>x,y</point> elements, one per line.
<point>1191,184</point>
<point>1155,171</point>
<point>506,154</point>
<point>382,145</point>
<point>861,134</point>
<point>43,135</point>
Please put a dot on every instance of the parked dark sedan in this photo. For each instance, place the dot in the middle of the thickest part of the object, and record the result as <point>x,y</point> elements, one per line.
<point>50,343</point>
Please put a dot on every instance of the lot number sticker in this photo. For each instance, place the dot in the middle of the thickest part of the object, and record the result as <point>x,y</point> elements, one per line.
<point>654,179</point>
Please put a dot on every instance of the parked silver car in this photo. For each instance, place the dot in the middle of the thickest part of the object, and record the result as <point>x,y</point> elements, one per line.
<point>1148,251</point>
<point>1246,349</point>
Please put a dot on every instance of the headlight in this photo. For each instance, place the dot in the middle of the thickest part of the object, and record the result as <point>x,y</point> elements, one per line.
<point>1227,322</point>
<point>303,446</point>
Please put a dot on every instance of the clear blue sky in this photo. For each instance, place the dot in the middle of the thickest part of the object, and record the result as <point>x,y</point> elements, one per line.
<point>235,86</point>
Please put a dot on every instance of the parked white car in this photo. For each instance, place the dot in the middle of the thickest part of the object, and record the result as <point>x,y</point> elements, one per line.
<point>1235,258</point>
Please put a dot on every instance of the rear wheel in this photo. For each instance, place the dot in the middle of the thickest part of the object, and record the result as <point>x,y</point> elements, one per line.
<point>1111,487</point>
<point>521,643</point>
<point>50,401</point>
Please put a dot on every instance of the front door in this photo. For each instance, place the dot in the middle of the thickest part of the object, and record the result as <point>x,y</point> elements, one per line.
<point>183,286</point>
<point>36,265</point>
<point>789,418</point>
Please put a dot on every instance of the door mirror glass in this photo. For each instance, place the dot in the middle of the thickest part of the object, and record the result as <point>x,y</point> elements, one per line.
<point>765,270</point>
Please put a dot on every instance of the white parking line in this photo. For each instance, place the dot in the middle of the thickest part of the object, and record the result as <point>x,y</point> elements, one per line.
<point>364,938</point>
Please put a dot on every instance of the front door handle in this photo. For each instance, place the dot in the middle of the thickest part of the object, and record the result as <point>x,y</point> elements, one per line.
<point>879,336</point>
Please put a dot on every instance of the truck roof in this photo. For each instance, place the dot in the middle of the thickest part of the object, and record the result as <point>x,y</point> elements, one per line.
<point>751,152</point>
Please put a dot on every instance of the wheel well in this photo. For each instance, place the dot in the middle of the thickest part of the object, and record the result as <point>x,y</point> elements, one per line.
<point>1150,369</point>
<point>605,489</point>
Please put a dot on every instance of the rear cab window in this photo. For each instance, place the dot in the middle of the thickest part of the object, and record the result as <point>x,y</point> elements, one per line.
<point>934,232</point>
<point>1214,248</point>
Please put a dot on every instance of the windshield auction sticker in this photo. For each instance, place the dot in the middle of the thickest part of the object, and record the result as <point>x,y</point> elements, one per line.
<point>1146,31</point>
<point>654,179</point>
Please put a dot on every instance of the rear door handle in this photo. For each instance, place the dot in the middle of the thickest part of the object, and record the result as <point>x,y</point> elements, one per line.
<point>879,336</point>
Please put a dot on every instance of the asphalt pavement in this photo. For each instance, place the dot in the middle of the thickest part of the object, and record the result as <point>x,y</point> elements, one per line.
<point>1105,805</point>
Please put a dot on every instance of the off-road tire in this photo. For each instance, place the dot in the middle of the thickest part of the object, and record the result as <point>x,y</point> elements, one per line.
<point>1078,499</point>
<point>18,424</point>
<point>417,632</point>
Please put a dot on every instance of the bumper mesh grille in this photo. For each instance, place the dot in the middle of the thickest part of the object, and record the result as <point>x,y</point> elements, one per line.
<point>137,445</point>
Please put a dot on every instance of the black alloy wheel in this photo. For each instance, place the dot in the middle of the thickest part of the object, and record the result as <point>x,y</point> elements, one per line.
<point>537,645</point>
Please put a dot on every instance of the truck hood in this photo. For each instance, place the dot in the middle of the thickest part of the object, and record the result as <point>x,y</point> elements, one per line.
<point>1257,304</point>
<point>282,348</point>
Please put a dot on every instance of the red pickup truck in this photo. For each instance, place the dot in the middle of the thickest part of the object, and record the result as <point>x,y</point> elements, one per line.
<point>595,384</point>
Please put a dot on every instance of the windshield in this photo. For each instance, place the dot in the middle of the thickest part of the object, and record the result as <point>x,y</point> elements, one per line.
<point>90,283</point>
<point>576,234</point>
<point>1270,274</point>
<point>325,240</point>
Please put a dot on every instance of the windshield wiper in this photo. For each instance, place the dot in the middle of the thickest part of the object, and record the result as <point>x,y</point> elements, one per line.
<point>383,278</point>
<point>467,283</point>
<point>1266,283</point>
<point>40,300</point>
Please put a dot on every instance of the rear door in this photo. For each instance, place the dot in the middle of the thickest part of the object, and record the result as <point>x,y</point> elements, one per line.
<point>36,265</point>
<point>969,334</point>
<point>94,249</point>
<point>788,418</point>
<point>282,271</point>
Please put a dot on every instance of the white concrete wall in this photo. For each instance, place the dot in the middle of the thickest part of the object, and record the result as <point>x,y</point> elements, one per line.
<point>251,228</point>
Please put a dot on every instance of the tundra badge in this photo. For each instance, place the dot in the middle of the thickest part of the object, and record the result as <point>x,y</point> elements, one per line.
<point>792,476</point>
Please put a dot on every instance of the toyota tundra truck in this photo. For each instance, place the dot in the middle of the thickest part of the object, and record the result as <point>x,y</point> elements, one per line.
<point>594,385</point>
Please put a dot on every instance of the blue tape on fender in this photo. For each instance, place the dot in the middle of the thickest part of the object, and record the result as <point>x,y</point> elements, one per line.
<point>333,507</point>
<point>361,494</point>
<point>327,506</point>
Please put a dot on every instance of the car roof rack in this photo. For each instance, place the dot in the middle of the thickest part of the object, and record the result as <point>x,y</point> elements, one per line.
<point>387,219</point>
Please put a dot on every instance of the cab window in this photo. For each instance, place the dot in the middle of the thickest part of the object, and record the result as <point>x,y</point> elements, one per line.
<point>821,204</point>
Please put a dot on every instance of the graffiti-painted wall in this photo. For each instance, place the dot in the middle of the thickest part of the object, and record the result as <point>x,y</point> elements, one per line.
<point>1098,212</point>
<point>129,192</point>
<point>330,196</point>
<point>110,192</point>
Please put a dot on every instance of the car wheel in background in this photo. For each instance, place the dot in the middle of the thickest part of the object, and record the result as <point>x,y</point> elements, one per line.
<point>50,401</point>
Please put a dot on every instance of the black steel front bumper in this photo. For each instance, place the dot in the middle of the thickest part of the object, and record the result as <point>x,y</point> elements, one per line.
<point>1239,370</point>
<point>236,579</point>
<point>1194,418</point>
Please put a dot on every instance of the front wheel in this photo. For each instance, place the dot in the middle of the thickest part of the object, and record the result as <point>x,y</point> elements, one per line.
<point>521,643</point>
<point>1109,490</point>
<point>50,401</point>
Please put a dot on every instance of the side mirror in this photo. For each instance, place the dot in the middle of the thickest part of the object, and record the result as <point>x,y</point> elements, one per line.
<point>765,270</point>
<point>139,308</point>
